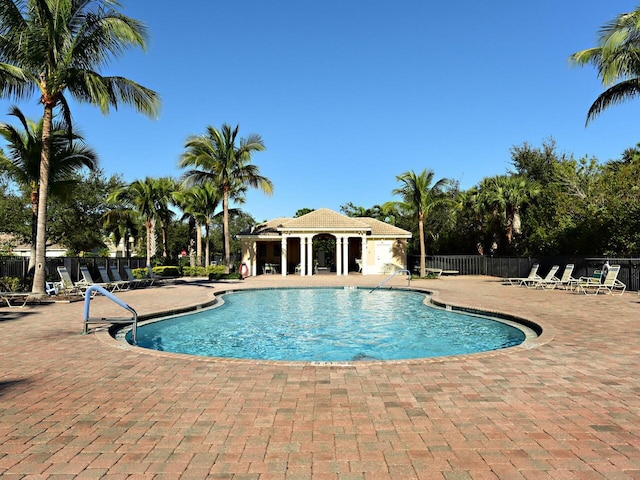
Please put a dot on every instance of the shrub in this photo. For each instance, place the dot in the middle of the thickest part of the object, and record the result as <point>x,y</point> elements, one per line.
<point>194,271</point>
<point>167,271</point>
<point>10,284</point>
<point>140,272</point>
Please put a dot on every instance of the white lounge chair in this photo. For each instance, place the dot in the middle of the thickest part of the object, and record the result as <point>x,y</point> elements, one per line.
<point>89,282</point>
<point>115,284</point>
<point>533,275</point>
<point>10,298</point>
<point>567,281</point>
<point>115,274</point>
<point>136,282</point>
<point>548,282</point>
<point>68,286</point>
<point>609,285</point>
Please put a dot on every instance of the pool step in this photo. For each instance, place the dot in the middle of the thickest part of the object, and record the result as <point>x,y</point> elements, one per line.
<point>114,320</point>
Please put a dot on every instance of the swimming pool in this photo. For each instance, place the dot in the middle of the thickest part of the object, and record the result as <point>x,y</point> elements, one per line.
<point>328,325</point>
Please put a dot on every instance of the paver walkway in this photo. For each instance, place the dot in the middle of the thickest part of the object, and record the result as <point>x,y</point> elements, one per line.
<point>566,406</point>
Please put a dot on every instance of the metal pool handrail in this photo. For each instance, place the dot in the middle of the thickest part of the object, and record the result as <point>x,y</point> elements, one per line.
<point>113,320</point>
<point>393,275</point>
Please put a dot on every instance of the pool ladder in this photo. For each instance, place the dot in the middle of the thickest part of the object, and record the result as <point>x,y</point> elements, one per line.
<point>393,275</point>
<point>113,320</point>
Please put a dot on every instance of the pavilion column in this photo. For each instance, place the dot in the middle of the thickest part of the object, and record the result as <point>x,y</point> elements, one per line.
<point>345,256</point>
<point>363,249</point>
<point>254,259</point>
<point>339,254</point>
<point>283,256</point>
<point>309,255</point>
<point>303,257</point>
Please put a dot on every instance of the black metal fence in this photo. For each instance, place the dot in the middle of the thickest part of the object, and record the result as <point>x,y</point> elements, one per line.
<point>19,266</point>
<point>509,267</point>
<point>503,267</point>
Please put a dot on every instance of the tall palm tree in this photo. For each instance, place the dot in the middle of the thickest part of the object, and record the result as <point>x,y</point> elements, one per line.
<point>617,61</point>
<point>23,161</point>
<point>55,47</point>
<point>141,196</point>
<point>224,160</point>
<point>200,202</point>
<point>420,196</point>
<point>164,188</point>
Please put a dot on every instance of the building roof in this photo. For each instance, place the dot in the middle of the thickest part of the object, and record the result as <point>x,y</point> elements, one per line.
<point>324,220</point>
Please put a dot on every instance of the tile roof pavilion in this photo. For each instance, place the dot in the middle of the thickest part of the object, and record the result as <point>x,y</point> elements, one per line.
<point>355,236</point>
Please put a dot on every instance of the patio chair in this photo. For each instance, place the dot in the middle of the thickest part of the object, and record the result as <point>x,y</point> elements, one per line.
<point>112,275</point>
<point>89,282</point>
<point>609,285</point>
<point>548,282</point>
<point>533,275</point>
<point>67,286</point>
<point>10,298</point>
<point>136,282</point>
<point>567,281</point>
<point>160,279</point>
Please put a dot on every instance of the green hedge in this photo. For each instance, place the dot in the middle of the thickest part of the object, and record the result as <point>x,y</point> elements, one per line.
<point>203,271</point>
<point>162,271</point>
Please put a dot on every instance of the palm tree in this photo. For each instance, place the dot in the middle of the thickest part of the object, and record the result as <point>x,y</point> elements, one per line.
<point>121,224</point>
<point>505,195</point>
<point>164,188</point>
<point>200,203</point>
<point>57,46</point>
<point>23,161</point>
<point>216,157</point>
<point>141,196</point>
<point>616,60</point>
<point>419,196</point>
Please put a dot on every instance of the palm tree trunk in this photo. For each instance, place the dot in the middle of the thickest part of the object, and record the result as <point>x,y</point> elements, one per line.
<point>40,273</point>
<point>207,253</point>
<point>225,232</point>
<point>165,253</point>
<point>147,225</point>
<point>198,245</point>
<point>34,226</point>
<point>423,267</point>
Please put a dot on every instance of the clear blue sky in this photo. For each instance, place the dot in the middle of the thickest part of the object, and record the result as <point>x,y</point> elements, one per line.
<point>349,94</point>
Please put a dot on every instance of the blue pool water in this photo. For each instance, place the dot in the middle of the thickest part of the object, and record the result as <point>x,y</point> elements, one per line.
<point>327,325</point>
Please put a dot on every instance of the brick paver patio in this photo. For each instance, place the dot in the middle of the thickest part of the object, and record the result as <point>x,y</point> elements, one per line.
<point>565,406</point>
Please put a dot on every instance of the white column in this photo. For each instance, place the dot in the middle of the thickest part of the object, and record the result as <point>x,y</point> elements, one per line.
<point>254,259</point>
<point>303,257</point>
<point>345,255</point>
<point>309,255</point>
<point>338,255</point>
<point>283,256</point>
<point>363,248</point>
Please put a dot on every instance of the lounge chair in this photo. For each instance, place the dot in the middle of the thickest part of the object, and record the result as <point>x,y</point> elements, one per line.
<point>89,282</point>
<point>160,278</point>
<point>115,284</point>
<point>10,298</point>
<point>548,282</point>
<point>609,285</point>
<point>567,281</point>
<point>115,274</point>
<point>136,282</point>
<point>68,286</point>
<point>533,275</point>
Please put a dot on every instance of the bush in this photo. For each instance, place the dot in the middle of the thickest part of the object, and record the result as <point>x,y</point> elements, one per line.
<point>140,272</point>
<point>167,271</point>
<point>10,284</point>
<point>202,271</point>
